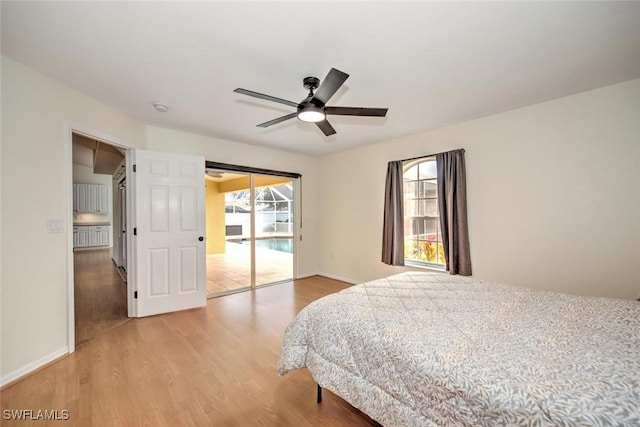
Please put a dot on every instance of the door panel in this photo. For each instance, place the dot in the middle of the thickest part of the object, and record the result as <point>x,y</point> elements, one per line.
<point>188,271</point>
<point>169,218</point>
<point>188,212</point>
<point>274,231</point>
<point>228,232</point>
<point>159,274</point>
<point>159,208</point>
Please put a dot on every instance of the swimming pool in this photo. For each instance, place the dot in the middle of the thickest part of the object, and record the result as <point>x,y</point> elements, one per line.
<point>281,245</point>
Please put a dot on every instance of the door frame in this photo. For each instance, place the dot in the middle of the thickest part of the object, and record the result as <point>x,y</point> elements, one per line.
<point>251,173</point>
<point>99,135</point>
<point>295,230</point>
<point>121,187</point>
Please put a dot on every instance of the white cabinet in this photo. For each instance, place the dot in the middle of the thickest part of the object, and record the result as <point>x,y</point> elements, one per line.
<point>104,236</point>
<point>80,236</point>
<point>94,236</point>
<point>103,201</point>
<point>79,198</point>
<point>91,198</point>
<point>99,235</point>
<point>85,236</point>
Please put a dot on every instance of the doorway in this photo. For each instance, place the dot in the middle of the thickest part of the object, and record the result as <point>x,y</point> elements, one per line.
<point>250,229</point>
<point>99,289</point>
<point>164,266</point>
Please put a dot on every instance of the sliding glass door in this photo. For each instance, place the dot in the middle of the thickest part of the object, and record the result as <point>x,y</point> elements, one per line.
<point>228,224</point>
<point>274,230</point>
<point>250,230</point>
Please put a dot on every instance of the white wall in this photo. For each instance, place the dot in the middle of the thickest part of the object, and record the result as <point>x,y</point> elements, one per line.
<point>36,186</point>
<point>553,197</point>
<point>84,175</point>
<point>221,151</point>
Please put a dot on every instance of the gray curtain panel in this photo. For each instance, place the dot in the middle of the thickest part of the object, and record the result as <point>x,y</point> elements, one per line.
<point>452,203</point>
<point>393,227</point>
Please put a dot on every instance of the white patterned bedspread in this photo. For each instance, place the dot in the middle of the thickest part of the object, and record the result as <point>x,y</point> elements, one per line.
<point>426,349</point>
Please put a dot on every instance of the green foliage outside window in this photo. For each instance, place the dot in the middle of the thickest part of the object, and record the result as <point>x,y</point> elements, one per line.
<point>431,252</point>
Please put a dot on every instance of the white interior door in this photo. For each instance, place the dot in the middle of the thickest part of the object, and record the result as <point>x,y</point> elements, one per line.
<point>169,228</point>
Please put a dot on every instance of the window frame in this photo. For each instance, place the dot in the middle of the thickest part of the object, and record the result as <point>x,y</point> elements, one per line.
<point>420,194</point>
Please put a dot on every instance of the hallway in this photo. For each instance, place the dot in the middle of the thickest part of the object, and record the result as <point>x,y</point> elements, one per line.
<point>100,294</point>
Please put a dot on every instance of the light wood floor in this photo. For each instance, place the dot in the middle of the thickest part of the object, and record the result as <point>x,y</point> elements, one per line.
<point>213,366</point>
<point>99,292</point>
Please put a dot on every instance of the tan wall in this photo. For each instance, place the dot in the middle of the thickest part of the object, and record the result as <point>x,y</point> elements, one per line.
<point>214,212</point>
<point>553,199</point>
<point>37,114</point>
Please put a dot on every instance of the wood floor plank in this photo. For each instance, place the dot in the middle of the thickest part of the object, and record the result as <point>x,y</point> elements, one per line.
<point>100,294</point>
<point>214,366</point>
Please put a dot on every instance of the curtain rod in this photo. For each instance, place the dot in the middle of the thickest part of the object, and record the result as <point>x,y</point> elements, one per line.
<point>430,155</point>
<point>249,169</point>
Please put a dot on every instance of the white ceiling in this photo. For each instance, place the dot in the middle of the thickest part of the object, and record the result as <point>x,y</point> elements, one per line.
<point>430,63</point>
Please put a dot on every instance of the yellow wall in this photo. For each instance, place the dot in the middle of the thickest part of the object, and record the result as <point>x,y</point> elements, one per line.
<point>215,219</point>
<point>243,183</point>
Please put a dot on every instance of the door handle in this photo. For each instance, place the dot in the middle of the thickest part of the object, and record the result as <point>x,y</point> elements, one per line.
<point>201,238</point>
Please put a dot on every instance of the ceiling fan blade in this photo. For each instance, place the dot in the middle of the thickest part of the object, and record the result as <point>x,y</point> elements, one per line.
<point>326,127</point>
<point>266,97</point>
<point>278,120</point>
<point>329,86</point>
<point>357,111</point>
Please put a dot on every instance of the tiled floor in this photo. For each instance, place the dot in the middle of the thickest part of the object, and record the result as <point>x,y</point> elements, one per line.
<point>232,270</point>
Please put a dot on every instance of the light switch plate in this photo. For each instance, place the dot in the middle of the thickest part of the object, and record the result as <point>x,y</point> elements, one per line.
<point>55,225</point>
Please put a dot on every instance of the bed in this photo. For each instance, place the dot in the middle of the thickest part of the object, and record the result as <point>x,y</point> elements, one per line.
<point>429,349</point>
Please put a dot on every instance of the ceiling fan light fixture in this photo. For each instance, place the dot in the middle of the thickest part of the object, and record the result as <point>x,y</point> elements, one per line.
<point>311,114</point>
<point>161,108</point>
<point>313,109</point>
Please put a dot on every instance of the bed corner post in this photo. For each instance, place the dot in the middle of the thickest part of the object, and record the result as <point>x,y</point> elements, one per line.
<point>319,395</point>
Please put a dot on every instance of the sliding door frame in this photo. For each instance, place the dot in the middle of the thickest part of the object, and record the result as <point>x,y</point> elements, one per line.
<point>252,172</point>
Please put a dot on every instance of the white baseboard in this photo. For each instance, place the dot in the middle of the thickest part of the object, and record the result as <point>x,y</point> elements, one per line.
<point>342,279</point>
<point>305,275</point>
<point>90,248</point>
<point>30,367</point>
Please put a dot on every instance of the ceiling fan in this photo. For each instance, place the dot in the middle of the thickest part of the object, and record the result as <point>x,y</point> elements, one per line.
<point>313,108</point>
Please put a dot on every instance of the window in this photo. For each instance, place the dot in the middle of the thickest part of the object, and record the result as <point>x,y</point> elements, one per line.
<point>422,237</point>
